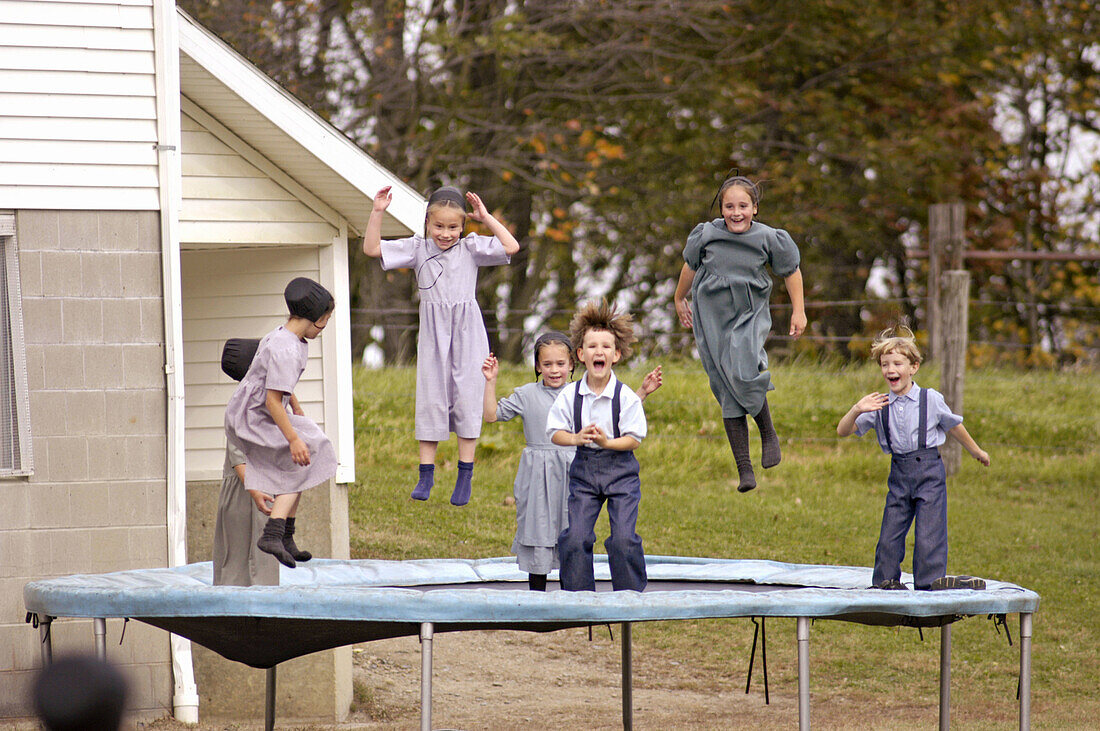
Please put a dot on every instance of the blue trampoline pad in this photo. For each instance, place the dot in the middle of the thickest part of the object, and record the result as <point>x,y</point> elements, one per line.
<point>329,603</point>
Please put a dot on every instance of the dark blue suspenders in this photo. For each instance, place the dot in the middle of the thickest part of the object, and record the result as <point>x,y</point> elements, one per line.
<point>614,409</point>
<point>922,422</point>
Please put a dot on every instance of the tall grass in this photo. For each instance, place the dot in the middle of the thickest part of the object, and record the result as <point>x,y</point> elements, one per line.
<point>1031,518</point>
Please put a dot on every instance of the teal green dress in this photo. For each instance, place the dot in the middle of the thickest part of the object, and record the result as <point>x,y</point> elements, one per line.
<point>729,307</point>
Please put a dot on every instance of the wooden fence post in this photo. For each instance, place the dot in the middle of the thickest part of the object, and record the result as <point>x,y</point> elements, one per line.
<point>956,301</point>
<point>946,240</point>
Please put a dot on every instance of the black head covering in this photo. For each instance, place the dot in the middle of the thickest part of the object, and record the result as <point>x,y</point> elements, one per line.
<point>448,193</point>
<point>237,355</point>
<point>305,298</point>
<point>554,336</point>
<point>82,693</point>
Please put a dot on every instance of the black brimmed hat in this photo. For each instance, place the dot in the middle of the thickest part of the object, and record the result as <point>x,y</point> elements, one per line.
<point>307,299</point>
<point>237,355</point>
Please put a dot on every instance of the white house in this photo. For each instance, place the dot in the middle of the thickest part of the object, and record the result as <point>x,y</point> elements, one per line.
<point>156,194</point>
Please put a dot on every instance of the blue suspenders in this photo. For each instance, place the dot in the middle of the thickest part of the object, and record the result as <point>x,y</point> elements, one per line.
<point>922,422</point>
<point>614,408</point>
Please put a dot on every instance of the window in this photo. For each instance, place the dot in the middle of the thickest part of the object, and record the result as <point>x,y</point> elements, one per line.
<point>15,441</point>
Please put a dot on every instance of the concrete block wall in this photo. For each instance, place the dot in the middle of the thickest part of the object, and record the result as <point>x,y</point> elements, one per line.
<point>93,321</point>
<point>315,688</point>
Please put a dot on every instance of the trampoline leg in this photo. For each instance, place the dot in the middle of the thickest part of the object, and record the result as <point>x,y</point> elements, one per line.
<point>803,629</point>
<point>269,700</point>
<point>945,677</point>
<point>99,626</point>
<point>426,630</point>
<point>44,624</point>
<point>628,680</point>
<point>1025,672</point>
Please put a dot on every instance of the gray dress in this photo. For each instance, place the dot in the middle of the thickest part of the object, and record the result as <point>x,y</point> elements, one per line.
<point>452,342</point>
<point>729,306</point>
<point>279,362</point>
<point>237,560</point>
<point>542,480</point>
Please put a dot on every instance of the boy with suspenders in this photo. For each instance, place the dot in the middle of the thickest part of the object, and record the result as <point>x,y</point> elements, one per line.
<point>917,487</point>
<point>606,423</point>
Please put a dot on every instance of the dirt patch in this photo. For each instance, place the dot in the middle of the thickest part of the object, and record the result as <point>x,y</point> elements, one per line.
<point>562,680</point>
<point>558,680</point>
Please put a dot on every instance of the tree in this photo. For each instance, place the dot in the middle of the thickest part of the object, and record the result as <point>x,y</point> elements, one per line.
<point>599,131</point>
<point>1044,83</point>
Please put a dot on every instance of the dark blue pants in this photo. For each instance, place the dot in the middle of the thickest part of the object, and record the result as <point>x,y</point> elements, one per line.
<point>917,492</point>
<point>597,476</point>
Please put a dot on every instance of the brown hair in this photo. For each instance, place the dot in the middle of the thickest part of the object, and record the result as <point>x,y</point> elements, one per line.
<point>733,179</point>
<point>603,316</point>
<point>553,337</point>
<point>898,340</point>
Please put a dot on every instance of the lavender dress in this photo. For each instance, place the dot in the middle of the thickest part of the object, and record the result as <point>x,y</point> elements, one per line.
<point>278,365</point>
<point>452,342</point>
<point>542,480</point>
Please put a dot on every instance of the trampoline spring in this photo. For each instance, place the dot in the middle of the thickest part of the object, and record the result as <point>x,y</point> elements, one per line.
<point>32,619</point>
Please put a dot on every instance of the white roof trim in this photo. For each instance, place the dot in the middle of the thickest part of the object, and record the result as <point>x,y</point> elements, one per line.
<point>344,164</point>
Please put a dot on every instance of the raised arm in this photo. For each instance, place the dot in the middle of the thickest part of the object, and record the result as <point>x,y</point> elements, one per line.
<point>481,214</point>
<point>683,288</point>
<point>870,402</point>
<point>489,369</point>
<point>793,283</point>
<point>650,383</point>
<point>372,237</point>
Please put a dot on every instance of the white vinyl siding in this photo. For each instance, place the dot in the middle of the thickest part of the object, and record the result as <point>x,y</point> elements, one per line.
<point>245,231</point>
<point>15,441</point>
<point>230,201</point>
<point>78,126</point>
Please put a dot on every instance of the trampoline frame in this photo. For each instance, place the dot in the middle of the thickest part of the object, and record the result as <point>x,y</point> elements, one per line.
<point>428,629</point>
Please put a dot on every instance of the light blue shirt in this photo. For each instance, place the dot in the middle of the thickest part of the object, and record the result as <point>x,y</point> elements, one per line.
<point>905,418</point>
<point>596,409</point>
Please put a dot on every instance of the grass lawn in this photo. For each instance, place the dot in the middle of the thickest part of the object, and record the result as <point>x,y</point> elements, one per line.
<point>1031,518</point>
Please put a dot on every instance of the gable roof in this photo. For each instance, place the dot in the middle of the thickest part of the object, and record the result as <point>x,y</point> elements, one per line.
<point>289,134</point>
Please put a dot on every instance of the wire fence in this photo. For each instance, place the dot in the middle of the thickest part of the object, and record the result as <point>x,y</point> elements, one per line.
<point>708,411</point>
<point>368,319</point>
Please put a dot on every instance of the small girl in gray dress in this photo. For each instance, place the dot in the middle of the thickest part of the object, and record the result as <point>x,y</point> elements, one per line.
<point>452,341</point>
<point>726,272</point>
<point>541,487</point>
<point>286,453</point>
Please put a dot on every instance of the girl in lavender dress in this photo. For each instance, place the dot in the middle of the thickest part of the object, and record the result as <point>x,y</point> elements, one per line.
<point>452,342</point>
<point>287,453</point>
<point>542,481</point>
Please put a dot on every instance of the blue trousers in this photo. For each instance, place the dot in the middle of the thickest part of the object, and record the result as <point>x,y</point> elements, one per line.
<point>917,493</point>
<point>595,477</point>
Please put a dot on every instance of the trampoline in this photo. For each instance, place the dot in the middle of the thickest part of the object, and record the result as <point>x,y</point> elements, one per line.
<point>330,603</point>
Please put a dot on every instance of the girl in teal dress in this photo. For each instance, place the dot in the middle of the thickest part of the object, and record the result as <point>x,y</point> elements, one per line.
<point>726,271</point>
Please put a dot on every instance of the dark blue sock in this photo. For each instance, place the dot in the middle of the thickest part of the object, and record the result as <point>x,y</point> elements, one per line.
<point>424,485</point>
<point>464,484</point>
